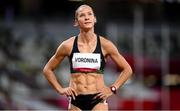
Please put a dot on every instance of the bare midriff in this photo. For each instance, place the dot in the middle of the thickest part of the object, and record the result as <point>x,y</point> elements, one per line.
<point>87,83</point>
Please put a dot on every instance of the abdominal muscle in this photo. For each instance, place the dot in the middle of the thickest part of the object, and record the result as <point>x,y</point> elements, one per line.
<point>87,83</point>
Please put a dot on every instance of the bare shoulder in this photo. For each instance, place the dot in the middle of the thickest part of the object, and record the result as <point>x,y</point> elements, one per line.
<point>105,43</point>
<point>107,46</point>
<point>66,45</point>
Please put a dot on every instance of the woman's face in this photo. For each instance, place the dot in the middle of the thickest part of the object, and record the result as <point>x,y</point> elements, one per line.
<point>85,17</point>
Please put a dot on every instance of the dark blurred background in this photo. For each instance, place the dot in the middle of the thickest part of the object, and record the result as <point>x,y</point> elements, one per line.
<point>146,32</point>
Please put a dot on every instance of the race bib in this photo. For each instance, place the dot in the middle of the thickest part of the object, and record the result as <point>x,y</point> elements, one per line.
<point>86,61</point>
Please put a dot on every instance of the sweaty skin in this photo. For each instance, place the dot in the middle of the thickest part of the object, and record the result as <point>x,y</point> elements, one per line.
<point>82,83</point>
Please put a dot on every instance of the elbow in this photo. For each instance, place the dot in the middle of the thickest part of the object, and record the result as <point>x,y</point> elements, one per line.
<point>46,70</point>
<point>129,71</point>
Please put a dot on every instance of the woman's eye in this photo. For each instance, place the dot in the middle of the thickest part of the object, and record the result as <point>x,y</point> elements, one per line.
<point>81,15</point>
<point>90,13</point>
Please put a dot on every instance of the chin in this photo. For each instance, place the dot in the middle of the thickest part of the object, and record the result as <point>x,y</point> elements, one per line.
<point>88,27</point>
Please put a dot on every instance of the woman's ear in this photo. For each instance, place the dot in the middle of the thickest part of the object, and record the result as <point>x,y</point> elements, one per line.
<point>75,23</point>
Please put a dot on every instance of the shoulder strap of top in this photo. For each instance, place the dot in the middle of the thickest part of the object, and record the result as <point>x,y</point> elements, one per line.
<point>98,45</point>
<point>74,48</point>
<point>75,45</point>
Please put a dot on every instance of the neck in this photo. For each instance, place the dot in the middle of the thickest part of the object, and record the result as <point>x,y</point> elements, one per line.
<point>87,36</point>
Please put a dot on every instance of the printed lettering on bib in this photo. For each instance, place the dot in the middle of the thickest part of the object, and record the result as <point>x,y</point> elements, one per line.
<point>86,62</point>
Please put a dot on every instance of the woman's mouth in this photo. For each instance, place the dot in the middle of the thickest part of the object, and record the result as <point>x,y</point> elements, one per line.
<point>87,22</point>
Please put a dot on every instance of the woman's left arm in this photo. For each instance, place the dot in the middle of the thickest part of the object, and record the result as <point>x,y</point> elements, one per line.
<point>122,64</point>
<point>109,49</point>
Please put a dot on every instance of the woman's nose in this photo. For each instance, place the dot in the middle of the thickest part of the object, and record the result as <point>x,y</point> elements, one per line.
<point>86,17</point>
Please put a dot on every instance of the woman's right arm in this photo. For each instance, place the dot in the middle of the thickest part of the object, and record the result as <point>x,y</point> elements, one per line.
<point>56,59</point>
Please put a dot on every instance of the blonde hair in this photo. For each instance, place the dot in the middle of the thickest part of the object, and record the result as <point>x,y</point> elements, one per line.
<point>76,12</point>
